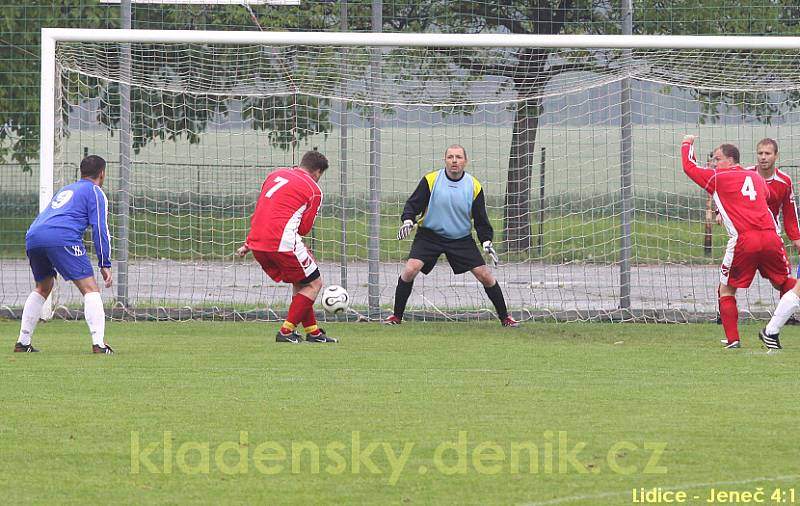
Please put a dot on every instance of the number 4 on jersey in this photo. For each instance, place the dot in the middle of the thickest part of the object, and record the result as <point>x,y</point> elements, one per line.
<point>280,181</point>
<point>748,190</point>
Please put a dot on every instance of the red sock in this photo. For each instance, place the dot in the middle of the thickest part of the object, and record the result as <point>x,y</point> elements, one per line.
<point>730,317</point>
<point>310,322</point>
<point>787,285</point>
<point>298,311</point>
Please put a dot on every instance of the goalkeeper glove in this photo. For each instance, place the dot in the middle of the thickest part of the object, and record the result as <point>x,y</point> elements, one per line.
<point>489,249</point>
<point>405,230</point>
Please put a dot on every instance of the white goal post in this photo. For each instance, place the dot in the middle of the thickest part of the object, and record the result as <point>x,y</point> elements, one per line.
<point>550,281</point>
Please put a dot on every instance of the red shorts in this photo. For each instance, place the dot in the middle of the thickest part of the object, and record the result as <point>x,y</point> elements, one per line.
<point>287,266</point>
<point>760,250</point>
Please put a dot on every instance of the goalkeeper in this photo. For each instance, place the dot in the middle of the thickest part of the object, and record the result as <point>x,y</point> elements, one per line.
<point>449,200</point>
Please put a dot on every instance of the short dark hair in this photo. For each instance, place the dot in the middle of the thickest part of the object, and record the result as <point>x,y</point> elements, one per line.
<point>92,166</point>
<point>456,146</point>
<point>730,151</point>
<point>314,160</point>
<point>767,140</point>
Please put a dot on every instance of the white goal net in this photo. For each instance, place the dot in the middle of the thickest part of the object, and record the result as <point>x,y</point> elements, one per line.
<point>577,149</point>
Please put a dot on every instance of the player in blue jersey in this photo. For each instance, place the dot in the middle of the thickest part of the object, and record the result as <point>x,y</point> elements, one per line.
<point>450,200</point>
<point>54,244</point>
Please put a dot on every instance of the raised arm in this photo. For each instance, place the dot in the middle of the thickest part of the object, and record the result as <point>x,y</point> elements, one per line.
<point>703,177</point>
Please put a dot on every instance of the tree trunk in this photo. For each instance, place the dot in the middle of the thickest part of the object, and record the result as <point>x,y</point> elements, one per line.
<point>517,215</point>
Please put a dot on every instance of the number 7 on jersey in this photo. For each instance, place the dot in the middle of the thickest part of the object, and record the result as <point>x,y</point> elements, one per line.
<point>280,181</point>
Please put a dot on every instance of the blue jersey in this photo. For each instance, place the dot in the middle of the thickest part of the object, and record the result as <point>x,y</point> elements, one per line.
<point>449,211</point>
<point>450,208</point>
<point>68,215</point>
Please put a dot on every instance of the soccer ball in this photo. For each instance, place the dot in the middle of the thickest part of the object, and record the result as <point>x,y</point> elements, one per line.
<point>335,299</point>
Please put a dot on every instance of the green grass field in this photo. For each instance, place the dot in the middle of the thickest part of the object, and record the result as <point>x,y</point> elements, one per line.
<point>218,413</point>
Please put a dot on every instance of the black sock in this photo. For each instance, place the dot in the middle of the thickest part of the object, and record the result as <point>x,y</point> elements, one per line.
<point>496,296</point>
<point>401,295</point>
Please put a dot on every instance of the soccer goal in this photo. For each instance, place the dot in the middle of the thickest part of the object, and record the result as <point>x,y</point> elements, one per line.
<point>575,140</point>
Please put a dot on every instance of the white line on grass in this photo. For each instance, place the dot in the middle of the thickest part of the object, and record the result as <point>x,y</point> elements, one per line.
<point>689,486</point>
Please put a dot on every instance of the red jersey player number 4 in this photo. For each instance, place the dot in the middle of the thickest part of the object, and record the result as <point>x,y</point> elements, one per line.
<point>754,245</point>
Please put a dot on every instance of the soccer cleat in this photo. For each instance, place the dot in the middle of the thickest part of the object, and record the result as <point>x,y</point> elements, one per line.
<point>392,320</point>
<point>730,346</point>
<point>509,321</point>
<point>24,348</point>
<point>322,337</point>
<point>292,337</point>
<point>772,342</point>
<point>792,321</point>
<point>105,349</point>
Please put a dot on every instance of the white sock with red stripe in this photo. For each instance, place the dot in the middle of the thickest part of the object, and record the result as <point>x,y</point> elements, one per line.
<point>31,313</point>
<point>786,307</point>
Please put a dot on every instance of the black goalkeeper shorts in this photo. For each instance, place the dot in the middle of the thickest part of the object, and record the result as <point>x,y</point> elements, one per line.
<point>462,254</point>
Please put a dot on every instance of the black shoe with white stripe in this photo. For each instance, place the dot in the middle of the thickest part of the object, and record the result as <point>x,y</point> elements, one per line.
<point>322,337</point>
<point>292,337</point>
<point>771,341</point>
<point>24,348</point>
<point>730,346</point>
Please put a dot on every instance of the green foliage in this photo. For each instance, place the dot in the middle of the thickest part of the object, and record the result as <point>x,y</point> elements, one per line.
<point>526,70</point>
<point>714,17</point>
<point>721,17</point>
<point>20,25</point>
<point>160,115</point>
<point>157,114</point>
<point>288,119</point>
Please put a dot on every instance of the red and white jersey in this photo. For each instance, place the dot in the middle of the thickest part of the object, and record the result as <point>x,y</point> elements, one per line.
<point>782,200</point>
<point>286,209</point>
<point>741,195</point>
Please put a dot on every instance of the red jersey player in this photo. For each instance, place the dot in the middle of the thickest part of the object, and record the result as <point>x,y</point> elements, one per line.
<point>767,151</point>
<point>780,187</point>
<point>285,211</point>
<point>741,197</point>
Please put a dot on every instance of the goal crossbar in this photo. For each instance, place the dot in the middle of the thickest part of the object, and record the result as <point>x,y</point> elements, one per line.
<point>422,39</point>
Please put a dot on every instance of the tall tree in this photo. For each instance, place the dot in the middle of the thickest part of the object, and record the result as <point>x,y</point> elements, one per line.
<point>527,71</point>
